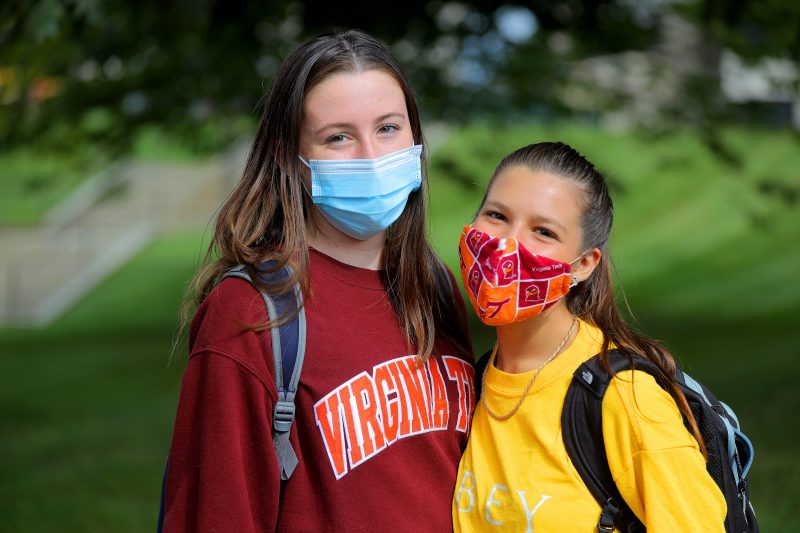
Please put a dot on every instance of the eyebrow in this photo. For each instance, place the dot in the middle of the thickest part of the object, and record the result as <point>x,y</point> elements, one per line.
<point>346,125</point>
<point>542,219</point>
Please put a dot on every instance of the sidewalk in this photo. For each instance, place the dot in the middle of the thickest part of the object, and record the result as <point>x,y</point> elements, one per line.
<point>45,270</point>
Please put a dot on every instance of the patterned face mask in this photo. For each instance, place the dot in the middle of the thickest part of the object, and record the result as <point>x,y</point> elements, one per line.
<point>505,282</point>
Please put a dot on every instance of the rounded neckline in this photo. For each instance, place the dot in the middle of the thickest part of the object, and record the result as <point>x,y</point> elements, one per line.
<point>585,344</point>
<point>353,275</point>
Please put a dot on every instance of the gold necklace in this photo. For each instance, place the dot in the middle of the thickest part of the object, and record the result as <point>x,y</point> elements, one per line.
<point>530,383</point>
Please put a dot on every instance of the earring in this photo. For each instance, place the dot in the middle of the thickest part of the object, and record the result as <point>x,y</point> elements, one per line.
<point>574,279</point>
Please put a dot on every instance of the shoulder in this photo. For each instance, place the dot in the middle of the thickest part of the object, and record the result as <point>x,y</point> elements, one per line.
<point>640,388</point>
<point>227,323</point>
<point>635,403</point>
<point>451,277</point>
<point>226,311</point>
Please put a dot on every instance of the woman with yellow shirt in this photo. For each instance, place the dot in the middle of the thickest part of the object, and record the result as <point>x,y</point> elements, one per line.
<point>535,264</point>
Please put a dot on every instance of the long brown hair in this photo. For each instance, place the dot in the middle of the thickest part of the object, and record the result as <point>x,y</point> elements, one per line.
<point>264,217</point>
<point>593,299</point>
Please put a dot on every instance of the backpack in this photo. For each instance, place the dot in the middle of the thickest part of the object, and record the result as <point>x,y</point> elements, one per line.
<point>288,352</point>
<point>730,453</point>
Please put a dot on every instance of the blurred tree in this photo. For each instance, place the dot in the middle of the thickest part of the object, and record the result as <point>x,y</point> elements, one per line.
<point>100,69</point>
<point>116,65</point>
<point>74,70</point>
<point>752,29</point>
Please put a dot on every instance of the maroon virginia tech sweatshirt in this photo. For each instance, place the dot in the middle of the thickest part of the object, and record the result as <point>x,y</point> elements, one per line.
<point>378,439</point>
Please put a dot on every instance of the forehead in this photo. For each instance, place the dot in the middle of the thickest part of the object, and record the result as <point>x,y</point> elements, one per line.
<point>537,193</point>
<point>344,96</point>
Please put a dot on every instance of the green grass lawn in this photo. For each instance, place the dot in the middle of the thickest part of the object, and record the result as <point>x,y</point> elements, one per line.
<point>86,405</point>
<point>707,254</point>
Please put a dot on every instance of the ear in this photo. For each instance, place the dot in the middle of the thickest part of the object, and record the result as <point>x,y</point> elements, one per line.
<point>584,266</point>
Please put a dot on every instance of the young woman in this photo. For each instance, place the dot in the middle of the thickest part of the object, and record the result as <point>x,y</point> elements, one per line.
<point>535,263</point>
<point>334,188</point>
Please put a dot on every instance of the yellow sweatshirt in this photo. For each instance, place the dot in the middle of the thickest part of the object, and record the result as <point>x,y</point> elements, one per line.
<point>515,475</point>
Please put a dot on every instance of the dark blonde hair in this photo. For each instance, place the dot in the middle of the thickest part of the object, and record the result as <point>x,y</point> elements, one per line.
<point>593,299</point>
<point>264,217</point>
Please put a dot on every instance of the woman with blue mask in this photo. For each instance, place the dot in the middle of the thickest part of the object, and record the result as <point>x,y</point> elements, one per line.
<point>332,195</point>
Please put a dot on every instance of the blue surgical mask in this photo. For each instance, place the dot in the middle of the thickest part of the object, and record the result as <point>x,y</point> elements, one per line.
<point>362,197</point>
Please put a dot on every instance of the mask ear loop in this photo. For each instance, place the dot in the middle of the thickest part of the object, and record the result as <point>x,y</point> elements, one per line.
<point>302,181</point>
<point>574,279</point>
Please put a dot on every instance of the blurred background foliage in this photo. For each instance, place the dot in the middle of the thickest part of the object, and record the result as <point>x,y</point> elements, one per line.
<point>86,80</point>
<point>691,108</point>
<point>77,71</point>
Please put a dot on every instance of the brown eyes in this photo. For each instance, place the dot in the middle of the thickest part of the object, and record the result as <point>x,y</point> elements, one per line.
<point>544,232</point>
<point>494,214</point>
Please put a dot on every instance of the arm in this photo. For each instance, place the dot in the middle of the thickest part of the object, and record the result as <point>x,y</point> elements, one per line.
<point>655,461</point>
<point>223,473</point>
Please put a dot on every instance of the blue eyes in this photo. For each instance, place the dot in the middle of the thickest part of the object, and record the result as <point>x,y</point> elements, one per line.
<point>388,128</point>
<point>335,139</point>
<point>385,129</point>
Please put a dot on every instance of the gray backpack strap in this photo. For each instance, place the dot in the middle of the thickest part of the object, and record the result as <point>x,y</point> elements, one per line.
<point>288,352</point>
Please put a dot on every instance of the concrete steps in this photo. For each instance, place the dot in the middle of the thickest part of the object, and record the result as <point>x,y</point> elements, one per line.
<point>45,270</point>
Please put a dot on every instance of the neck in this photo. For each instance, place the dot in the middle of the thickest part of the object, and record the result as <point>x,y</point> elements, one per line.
<point>325,238</point>
<point>525,346</point>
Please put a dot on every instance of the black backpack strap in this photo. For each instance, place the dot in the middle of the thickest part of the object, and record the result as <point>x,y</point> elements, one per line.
<point>582,431</point>
<point>162,505</point>
<point>480,367</point>
<point>288,352</point>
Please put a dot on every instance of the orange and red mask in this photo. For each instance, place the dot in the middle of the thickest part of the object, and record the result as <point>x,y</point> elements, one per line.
<point>507,283</point>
